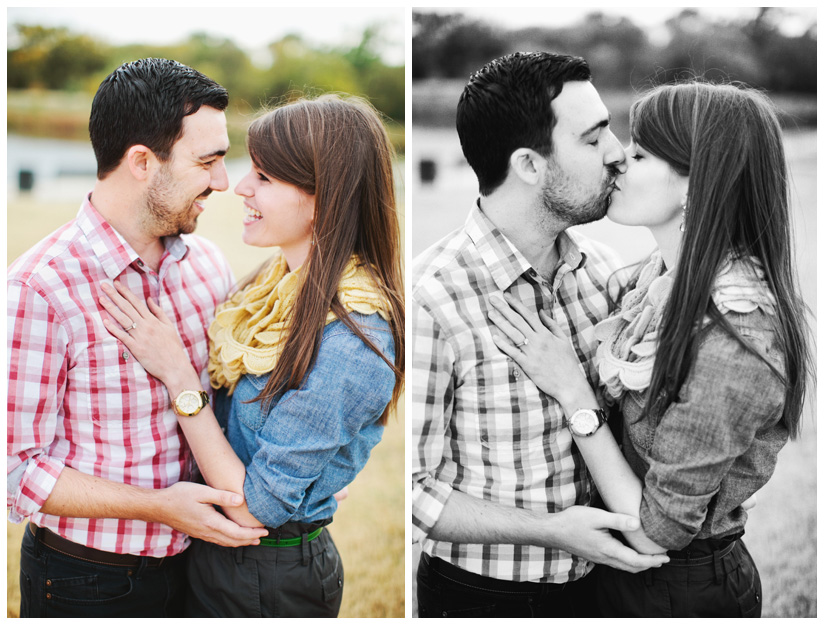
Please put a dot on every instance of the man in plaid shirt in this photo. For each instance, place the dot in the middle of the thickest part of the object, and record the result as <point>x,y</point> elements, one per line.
<point>95,458</point>
<point>500,494</point>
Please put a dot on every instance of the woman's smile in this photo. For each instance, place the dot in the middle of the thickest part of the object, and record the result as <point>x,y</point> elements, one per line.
<point>251,215</point>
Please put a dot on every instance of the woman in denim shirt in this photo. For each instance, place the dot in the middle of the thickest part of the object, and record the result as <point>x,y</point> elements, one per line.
<point>307,358</point>
<point>706,356</point>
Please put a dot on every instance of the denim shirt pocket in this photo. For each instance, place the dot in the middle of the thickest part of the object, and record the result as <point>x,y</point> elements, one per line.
<point>251,414</point>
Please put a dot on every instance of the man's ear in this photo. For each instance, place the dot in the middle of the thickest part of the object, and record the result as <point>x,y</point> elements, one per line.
<point>528,165</point>
<point>141,162</point>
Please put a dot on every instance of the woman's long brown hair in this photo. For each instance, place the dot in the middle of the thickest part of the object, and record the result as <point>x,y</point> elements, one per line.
<point>337,149</point>
<point>728,140</point>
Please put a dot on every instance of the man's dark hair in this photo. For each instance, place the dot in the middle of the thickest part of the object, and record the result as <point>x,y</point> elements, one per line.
<point>507,106</point>
<point>144,102</point>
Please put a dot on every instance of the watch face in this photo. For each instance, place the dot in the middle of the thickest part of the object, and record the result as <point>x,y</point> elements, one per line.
<point>188,402</point>
<point>584,422</point>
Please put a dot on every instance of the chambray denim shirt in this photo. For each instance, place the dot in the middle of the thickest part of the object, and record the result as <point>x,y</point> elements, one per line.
<point>717,444</point>
<point>313,441</point>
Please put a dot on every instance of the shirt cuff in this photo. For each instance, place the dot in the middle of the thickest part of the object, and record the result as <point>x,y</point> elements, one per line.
<point>675,527</point>
<point>37,484</point>
<point>429,498</point>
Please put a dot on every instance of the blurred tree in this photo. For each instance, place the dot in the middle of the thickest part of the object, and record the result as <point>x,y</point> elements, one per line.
<point>598,38</point>
<point>789,62</point>
<point>52,58</point>
<point>713,50</point>
<point>755,50</point>
<point>386,87</point>
<point>428,30</point>
<point>452,45</point>
<point>383,85</point>
<point>298,68</point>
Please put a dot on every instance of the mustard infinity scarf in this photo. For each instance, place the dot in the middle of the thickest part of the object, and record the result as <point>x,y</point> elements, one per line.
<point>249,328</point>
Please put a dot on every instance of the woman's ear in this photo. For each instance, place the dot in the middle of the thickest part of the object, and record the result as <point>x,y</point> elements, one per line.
<point>528,165</point>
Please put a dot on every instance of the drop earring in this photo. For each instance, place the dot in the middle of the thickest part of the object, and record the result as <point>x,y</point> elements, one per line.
<point>684,215</point>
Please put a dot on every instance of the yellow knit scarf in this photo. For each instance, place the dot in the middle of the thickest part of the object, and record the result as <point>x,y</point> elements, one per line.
<point>249,328</point>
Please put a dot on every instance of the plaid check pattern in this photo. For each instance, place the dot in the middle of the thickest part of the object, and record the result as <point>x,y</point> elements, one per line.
<point>76,397</point>
<point>479,424</point>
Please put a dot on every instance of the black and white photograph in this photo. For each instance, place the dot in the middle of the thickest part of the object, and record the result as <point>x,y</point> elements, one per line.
<point>612,305</point>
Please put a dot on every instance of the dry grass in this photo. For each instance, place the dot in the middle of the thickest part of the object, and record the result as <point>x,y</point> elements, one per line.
<point>369,526</point>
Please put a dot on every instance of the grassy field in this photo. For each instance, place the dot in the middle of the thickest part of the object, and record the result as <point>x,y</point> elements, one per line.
<point>369,526</point>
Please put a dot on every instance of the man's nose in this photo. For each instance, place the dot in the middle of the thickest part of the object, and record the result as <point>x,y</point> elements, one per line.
<point>220,179</point>
<point>615,155</point>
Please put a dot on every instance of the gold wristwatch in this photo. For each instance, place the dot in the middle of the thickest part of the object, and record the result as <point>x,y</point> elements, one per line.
<point>189,403</point>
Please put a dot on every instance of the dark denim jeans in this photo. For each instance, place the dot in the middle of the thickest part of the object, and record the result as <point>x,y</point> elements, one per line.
<point>446,591</point>
<point>56,585</point>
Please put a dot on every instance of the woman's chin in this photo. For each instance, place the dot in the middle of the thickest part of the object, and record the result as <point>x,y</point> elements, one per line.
<point>614,215</point>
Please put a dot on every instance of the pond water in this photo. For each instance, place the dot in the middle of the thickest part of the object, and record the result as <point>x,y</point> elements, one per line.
<point>57,170</point>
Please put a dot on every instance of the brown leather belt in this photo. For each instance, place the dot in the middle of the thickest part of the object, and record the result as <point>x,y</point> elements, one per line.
<point>84,553</point>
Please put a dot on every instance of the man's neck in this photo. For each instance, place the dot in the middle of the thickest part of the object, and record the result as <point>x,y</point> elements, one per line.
<point>123,214</point>
<point>529,228</point>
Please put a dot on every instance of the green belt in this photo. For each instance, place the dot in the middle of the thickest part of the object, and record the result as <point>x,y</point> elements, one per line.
<point>292,541</point>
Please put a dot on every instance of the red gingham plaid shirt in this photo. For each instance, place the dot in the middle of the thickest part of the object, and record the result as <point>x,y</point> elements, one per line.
<point>77,398</point>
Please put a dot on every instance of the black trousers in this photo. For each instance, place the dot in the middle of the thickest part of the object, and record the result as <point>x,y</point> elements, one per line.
<point>445,590</point>
<point>306,580</point>
<point>54,584</point>
<point>718,582</point>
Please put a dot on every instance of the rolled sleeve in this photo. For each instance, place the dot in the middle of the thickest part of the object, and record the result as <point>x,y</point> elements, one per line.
<point>432,404</point>
<point>729,395</point>
<point>348,389</point>
<point>37,365</point>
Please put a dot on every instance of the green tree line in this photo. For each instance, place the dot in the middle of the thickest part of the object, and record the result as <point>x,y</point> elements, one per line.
<point>47,58</point>
<point>623,55</point>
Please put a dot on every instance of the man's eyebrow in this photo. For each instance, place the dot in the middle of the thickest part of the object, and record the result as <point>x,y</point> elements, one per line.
<point>600,124</point>
<point>216,153</point>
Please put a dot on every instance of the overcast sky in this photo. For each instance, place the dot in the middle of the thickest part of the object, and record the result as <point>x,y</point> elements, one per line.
<point>251,28</point>
<point>644,16</point>
<point>797,21</point>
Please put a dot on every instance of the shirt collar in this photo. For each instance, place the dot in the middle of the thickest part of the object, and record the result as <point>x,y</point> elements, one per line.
<point>111,249</point>
<point>503,259</point>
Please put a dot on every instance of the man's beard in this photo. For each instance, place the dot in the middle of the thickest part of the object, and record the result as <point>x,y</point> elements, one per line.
<point>563,200</point>
<point>164,219</point>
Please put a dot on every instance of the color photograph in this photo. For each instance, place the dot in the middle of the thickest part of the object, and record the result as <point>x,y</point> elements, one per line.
<point>205,286</point>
